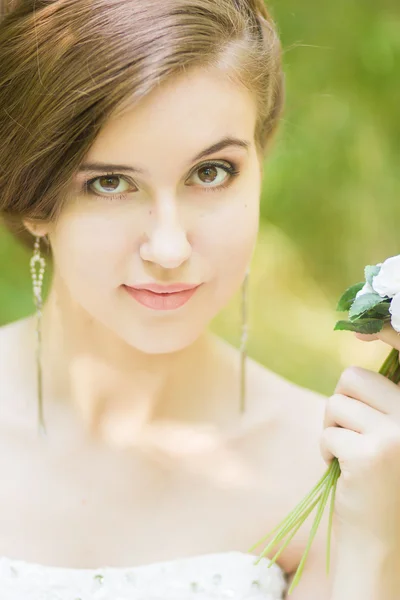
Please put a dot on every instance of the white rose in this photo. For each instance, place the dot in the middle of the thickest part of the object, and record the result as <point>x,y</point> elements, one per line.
<point>387,282</point>
<point>367,289</point>
<point>394,310</point>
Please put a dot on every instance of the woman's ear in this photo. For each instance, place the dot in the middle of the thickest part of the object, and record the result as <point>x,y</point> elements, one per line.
<point>36,229</point>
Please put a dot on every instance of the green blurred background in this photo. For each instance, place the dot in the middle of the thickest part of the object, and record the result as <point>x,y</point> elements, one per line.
<point>330,202</point>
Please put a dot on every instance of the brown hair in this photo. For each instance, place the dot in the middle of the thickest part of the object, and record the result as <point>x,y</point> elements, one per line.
<point>67,65</point>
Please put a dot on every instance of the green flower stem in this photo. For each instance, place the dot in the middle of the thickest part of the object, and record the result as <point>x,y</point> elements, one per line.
<point>297,510</point>
<point>297,517</point>
<point>318,495</point>
<point>291,524</point>
<point>299,523</point>
<point>333,475</point>
<point>396,378</point>
<point>331,511</point>
<point>391,363</point>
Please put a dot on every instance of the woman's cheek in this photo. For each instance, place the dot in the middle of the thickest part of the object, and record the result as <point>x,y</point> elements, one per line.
<point>232,254</point>
<point>87,250</point>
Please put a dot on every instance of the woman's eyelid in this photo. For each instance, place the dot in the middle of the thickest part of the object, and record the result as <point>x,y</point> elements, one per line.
<point>215,161</point>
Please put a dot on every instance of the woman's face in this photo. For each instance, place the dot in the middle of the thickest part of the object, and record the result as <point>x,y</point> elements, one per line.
<point>160,213</point>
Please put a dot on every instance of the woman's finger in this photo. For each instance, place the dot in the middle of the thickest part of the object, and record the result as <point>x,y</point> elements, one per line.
<point>367,337</point>
<point>388,335</point>
<point>372,388</point>
<point>343,444</point>
<point>349,413</point>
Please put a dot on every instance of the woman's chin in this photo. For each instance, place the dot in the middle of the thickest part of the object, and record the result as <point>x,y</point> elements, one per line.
<point>161,343</point>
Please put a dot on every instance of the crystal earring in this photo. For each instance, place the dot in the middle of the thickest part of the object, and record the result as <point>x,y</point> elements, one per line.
<point>38,265</point>
<point>243,342</point>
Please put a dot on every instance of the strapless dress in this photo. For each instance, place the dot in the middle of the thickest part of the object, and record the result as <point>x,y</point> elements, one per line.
<point>232,575</point>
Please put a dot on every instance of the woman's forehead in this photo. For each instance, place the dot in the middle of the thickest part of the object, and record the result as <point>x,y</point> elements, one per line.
<point>185,118</point>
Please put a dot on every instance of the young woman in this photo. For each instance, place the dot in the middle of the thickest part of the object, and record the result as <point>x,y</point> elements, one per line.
<point>133,135</point>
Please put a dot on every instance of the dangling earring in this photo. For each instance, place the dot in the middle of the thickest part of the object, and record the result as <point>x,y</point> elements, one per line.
<point>243,342</point>
<point>38,265</point>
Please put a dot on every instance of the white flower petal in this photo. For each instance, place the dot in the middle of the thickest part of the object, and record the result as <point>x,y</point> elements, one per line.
<point>394,310</point>
<point>387,282</point>
<point>367,289</point>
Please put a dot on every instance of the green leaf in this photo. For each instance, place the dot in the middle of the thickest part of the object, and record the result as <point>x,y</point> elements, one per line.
<point>347,298</point>
<point>371,271</point>
<point>380,311</point>
<point>362,304</point>
<point>360,326</point>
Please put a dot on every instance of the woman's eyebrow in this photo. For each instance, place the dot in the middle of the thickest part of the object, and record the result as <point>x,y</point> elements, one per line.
<point>224,143</point>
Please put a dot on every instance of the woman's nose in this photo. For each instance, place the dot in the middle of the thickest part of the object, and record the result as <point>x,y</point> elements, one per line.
<point>167,245</point>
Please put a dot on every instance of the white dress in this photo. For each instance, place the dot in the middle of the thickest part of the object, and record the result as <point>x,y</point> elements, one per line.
<point>227,575</point>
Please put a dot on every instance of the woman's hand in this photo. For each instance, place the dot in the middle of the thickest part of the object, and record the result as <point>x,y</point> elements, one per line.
<point>362,429</point>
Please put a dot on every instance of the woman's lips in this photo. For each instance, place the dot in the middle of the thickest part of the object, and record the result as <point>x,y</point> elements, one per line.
<point>161,300</point>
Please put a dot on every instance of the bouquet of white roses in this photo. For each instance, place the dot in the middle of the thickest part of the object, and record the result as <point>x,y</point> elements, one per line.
<point>370,305</point>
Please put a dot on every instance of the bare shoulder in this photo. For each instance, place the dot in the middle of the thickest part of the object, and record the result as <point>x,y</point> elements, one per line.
<point>15,366</point>
<point>283,432</point>
<point>13,338</point>
<point>12,332</point>
<point>296,430</point>
<point>288,413</point>
<point>295,409</point>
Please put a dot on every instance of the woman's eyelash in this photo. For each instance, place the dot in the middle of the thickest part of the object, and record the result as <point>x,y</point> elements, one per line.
<point>230,167</point>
